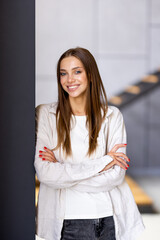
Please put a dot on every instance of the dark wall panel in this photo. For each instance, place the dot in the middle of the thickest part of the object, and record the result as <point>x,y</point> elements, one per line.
<point>17,132</point>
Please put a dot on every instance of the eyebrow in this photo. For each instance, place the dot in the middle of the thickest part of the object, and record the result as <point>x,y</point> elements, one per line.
<point>72,68</point>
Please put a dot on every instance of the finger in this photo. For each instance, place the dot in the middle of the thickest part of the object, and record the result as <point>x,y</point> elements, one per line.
<point>121,165</point>
<point>117,154</point>
<point>49,159</point>
<point>48,150</point>
<point>46,154</point>
<point>44,159</point>
<point>122,161</point>
<point>117,146</point>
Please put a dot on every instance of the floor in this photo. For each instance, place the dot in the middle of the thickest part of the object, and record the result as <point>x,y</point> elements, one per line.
<point>151,185</point>
<point>152,227</point>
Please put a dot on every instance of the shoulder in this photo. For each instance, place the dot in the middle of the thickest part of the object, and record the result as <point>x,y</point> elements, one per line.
<point>113,112</point>
<point>45,109</point>
<point>114,116</point>
<point>50,107</point>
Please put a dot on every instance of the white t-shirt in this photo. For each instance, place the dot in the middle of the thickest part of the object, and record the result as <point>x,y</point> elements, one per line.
<point>83,205</point>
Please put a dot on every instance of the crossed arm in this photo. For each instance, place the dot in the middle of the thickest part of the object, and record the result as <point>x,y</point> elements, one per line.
<point>94,175</point>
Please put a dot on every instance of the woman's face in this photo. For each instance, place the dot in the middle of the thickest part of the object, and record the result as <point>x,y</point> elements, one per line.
<point>73,77</point>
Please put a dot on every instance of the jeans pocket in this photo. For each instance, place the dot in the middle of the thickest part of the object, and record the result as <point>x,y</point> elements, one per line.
<point>107,229</point>
<point>66,223</point>
<point>81,229</point>
<point>111,233</point>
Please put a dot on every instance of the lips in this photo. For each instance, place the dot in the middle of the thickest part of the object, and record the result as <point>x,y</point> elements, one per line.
<point>73,87</point>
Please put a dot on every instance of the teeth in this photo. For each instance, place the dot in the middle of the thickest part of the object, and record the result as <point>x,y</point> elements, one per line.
<point>73,87</point>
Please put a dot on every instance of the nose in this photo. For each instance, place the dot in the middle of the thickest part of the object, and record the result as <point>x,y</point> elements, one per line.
<point>70,78</point>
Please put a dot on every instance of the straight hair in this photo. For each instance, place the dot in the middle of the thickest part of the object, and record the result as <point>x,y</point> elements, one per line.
<point>96,102</point>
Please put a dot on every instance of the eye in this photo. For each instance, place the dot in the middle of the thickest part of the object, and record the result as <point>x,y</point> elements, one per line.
<point>78,72</point>
<point>62,73</point>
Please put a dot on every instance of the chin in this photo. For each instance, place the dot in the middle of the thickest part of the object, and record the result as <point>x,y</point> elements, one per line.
<point>74,95</point>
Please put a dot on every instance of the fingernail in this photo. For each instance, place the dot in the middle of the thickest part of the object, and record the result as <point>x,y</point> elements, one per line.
<point>45,148</point>
<point>126,168</point>
<point>127,165</point>
<point>129,160</point>
<point>40,151</point>
<point>40,155</point>
<point>43,158</point>
<point>125,144</point>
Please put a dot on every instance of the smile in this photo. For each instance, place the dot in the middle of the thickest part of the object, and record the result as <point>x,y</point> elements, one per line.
<point>72,88</point>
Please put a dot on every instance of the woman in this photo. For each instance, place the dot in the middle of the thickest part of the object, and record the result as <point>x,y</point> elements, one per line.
<point>81,159</point>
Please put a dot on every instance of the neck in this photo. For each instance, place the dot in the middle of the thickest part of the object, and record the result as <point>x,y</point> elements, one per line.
<point>78,105</point>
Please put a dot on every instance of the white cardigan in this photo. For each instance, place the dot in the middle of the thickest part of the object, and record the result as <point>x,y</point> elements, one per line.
<point>56,177</point>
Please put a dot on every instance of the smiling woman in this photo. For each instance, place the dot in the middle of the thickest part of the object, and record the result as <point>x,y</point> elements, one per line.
<point>81,159</point>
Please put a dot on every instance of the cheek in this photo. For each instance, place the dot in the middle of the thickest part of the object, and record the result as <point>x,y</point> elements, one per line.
<point>84,79</point>
<point>62,81</point>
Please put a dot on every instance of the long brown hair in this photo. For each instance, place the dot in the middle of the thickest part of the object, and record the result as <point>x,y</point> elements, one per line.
<point>96,102</point>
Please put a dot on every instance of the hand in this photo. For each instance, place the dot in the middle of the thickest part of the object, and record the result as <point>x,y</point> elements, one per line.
<point>47,155</point>
<point>117,158</point>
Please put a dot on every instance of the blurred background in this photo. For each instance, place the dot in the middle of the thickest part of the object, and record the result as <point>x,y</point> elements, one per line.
<point>124,37</point>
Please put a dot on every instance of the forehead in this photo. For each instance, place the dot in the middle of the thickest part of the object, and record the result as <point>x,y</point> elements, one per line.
<point>70,62</point>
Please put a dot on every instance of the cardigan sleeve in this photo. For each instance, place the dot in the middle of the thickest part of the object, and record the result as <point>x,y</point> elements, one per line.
<point>60,175</point>
<point>114,176</point>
